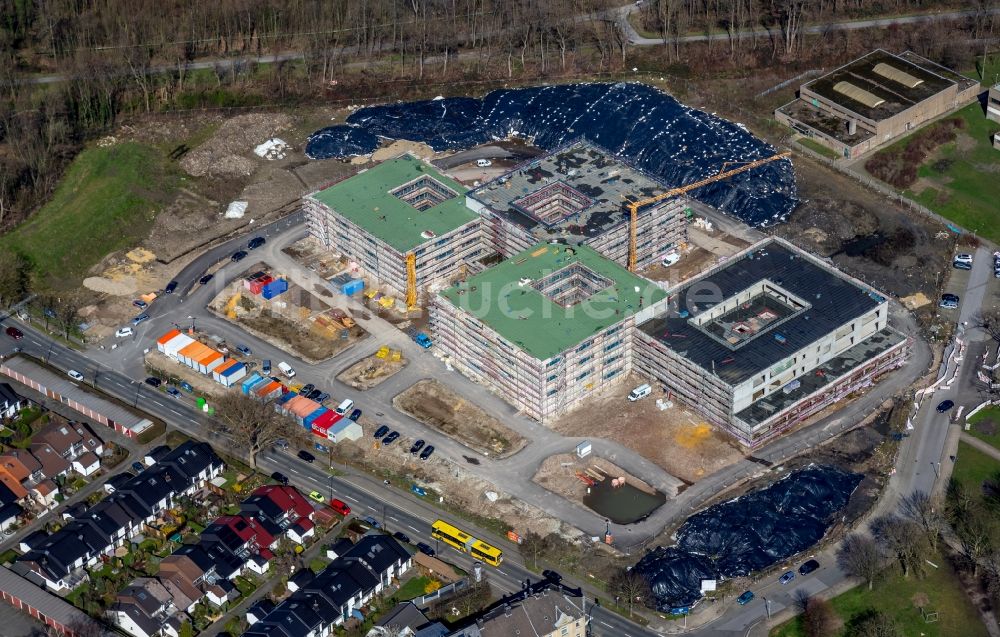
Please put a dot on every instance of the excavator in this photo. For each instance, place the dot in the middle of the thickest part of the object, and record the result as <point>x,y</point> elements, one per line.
<point>634,206</point>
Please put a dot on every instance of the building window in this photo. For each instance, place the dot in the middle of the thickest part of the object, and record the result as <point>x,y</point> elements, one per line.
<point>583,375</point>
<point>611,374</point>
<point>608,348</point>
<point>552,392</point>
<point>553,362</point>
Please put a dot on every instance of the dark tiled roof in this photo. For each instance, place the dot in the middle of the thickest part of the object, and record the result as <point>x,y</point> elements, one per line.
<point>7,395</point>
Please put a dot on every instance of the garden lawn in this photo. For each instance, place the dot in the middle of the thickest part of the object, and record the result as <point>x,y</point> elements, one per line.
<point>963,183</point>
<point>986,426</point>
<point>413,587</point>
<point>815,146</point>
<point>106,201</point>
<point>894,596</point>
<point>973,467</point>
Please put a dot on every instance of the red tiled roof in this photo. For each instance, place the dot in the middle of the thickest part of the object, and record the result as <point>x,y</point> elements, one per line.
<point>286,498</point>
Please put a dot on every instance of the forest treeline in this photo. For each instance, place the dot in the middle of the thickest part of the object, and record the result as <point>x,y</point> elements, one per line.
<point>133,56</point>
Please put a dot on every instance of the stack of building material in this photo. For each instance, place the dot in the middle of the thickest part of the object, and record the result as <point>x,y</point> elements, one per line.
<point>274,288</point>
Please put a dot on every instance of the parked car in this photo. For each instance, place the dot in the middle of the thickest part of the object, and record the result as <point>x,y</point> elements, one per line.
<point>945,405</point>
<point>314,394</point>
<point>239,255</point>
<point>340,507</point>
<point>344,407</point>
<point>138,467</point>
<point>417,446</point>
<point>305,455</point>
<point>17,334</point>
<point>255,243</point>
<point>322,398</point>
<point>265,366</point>
<point>381,431</point>
<point>372,522</point>
<point>139,303</point>
<point>286,369</point>
<point>670,258</point>
<point>243,349</point>
<point>426,453</point>
<point>949,301</point>
<point>122,332</point>
<point>279,477</point>
<point>426,549</point>
<point>139,319</point>
<point>484,163</point>
<point>355,415</point>
<point>745,598</point>
<point>552,576</point>
<point>808,567</point>
<point>963,258</point>
<point>787,577</point>
<point>153,381</point>
<point>170,287</point>
<point>961,265</point>
<point>75,375</point>
<point>317,496</point>
<point>306,389</point>
<point>205,279</point>
<point>186,386</point>
<point>423,340</point>
<point>173,391</point>
<point>402,537</point>
<point>281,443</point>
<point>391,438</point>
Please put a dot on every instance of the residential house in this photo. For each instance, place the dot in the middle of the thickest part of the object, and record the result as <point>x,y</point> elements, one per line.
<point>403,620</point>
<point>259,611</point>
<point>10,403</point>
<point>70,440</point>
<point>10,514</point>
<point>182,575</point>
<point>155,454</point>
<point>301,579</point>
<point>18,469</point>
<point>53,464</point>
<point>142,608</point>
<point>282,510</point>
<point>221,592</point>
<point>337,593</point>
<point>543,609</point>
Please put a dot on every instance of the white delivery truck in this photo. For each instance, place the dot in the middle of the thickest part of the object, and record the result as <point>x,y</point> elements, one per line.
<point>640,392</point>
<point>345,407</point>
<point>286,369</point>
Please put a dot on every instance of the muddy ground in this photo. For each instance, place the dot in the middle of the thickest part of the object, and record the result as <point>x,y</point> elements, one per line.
<point>370,371</point>
<point>678,439</point>
<point>438,406</point>
<point>558,474</point>
<point>866,235</point>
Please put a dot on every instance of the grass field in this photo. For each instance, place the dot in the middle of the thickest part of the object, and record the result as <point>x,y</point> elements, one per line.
<point>817,147</point>
<point>413,587</point>
<point>961,181</point>
<point>973,467</point>
<point>984,418</point>
<point>106,201</point>
<point>895,597</point>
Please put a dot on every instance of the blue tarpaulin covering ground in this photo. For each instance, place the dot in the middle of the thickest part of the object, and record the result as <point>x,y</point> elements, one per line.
<point>641,124</point>
<point>749,533</point>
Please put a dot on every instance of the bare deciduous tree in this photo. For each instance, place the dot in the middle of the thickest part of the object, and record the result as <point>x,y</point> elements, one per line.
<point>251,424</point>
<point>532,545</point>
<point>903,539</point>
<point>921,509</point>
<point>819,618</point>
<point>633,588</point>
<point>873,623</point>
<point>861,557</point>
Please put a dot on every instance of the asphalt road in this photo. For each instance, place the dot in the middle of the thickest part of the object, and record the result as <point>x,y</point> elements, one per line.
<point>394,505</point>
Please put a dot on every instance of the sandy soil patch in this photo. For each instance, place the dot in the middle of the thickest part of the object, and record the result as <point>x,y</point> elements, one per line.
<point>558,474</point>
<point>437,406</point>
<point>395,149</point>
<point>227,152</point>
<point>914,301</point>
<point>678,439</point>
<point>370,371</point>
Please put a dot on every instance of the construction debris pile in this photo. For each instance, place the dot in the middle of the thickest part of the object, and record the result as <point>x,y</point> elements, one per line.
<point>747,534</point>
<point>641,124</point>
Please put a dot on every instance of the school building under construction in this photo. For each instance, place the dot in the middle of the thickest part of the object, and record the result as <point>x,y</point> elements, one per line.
<point>579,194</point>
<point>545,327</point>
<point>768,338</point>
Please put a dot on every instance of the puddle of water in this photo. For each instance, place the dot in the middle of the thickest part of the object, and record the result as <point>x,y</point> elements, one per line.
<point>622,505</point>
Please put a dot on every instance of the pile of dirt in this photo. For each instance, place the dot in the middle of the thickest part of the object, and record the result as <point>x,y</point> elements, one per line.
<point>395,149</point>
<point>438,406</point>
<point>226,153</point>
<point>370,371</point>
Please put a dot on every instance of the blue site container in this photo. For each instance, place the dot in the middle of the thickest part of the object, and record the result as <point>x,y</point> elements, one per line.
<point>307,422</point>
<point>352,287</point>
<point>274,288</point>
<point>249,382</point>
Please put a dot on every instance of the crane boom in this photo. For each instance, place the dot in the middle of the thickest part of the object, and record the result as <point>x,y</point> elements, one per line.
<point>680,190</point>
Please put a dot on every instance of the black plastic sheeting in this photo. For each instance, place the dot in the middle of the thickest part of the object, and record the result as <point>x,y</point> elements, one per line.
<point>639,123</point>
<point>749,533</point>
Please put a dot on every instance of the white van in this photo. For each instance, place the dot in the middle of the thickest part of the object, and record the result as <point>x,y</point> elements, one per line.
<point>286,369</point>
<point>484,163</point>
<point>345,407</point>
<point>640,392</point>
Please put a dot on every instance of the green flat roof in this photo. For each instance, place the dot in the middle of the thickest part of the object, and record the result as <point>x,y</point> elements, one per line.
<point>529,319</point>
<point>366,200</point>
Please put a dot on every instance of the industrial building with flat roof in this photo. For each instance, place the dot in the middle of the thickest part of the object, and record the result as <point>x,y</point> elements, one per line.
<point>579,194</point>
<point>874,99</point>
<point>546,326</point>
<point>768,338</point>
<point>404,224</point>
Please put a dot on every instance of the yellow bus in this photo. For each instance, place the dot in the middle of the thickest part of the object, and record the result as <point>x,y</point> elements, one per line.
<point>459,539</point>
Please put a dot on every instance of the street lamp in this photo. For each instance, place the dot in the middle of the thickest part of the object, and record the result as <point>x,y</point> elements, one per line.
<point>935,465</point>
<point>767,608</point>
<point>192,324</point>
<point>331,487</point>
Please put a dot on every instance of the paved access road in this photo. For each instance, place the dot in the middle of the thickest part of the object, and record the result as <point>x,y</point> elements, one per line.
<point>399,510</point>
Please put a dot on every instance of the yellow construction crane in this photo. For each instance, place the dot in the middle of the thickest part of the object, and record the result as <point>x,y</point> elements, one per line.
<point>633,207</point>
<point>411,280</point>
